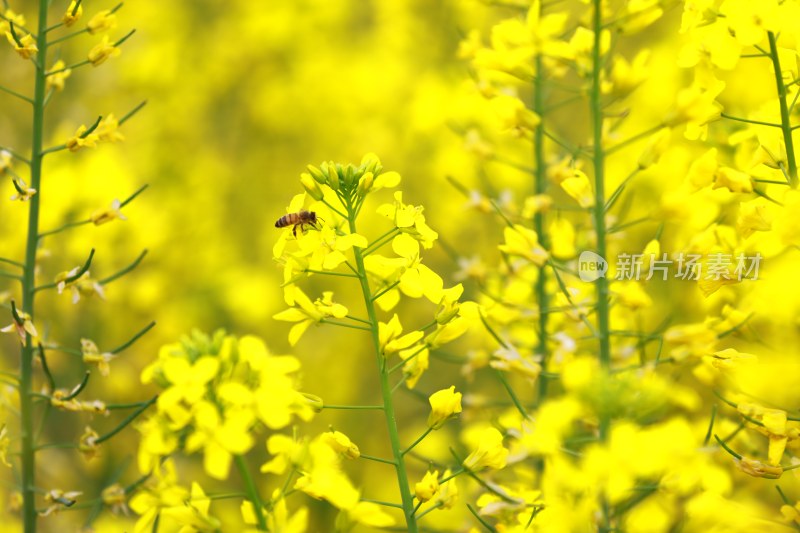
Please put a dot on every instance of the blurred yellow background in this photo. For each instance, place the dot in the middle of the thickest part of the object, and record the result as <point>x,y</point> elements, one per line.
<point>241,96</point>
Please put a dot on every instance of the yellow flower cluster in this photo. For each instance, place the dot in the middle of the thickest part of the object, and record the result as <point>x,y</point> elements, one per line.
<point>216,390</point>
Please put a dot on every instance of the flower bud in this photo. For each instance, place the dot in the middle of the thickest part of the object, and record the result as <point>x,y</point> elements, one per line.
<point>333,177</point>
<point>371,163</point>
<point>73,13</point>
<point>428,487</point>
<point>102,21</point>
<point>316,174</point>
<point>311,186</point>
<point>341,443</point>
<point>102,51</point>
<point>365,184</point>
<point>445,404</point>
<point>348,174</point>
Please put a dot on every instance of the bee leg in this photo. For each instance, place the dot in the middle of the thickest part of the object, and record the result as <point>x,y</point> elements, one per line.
<point>294,231</point>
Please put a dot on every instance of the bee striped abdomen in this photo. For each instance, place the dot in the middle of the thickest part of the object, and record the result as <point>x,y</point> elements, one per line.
<point>301,218</point>
<point>288,220</point>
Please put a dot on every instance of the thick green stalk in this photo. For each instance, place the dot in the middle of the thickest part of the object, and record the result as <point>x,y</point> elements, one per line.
<point>598,211</point>
<point>540,185</point>
<point>28,445</point>
<point>252,492</point>
<point>386,388</point>
<point>786,126</point>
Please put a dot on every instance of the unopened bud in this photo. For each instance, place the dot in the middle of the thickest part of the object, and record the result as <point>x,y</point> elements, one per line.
<point>349,175</point>
<point>311,186</point>
<point>370,162</point>
<point>317,174</point>
<point>333,176</point>
<point>365,183</point>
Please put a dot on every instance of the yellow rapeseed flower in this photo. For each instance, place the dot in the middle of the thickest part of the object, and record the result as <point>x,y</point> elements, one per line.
<point>26,46</point>
<point>429,486</point>
<point>490,452</point>
<point>72,14</point>
<point>102,51</point>
<point>103,21</point>
<point>445,404</point>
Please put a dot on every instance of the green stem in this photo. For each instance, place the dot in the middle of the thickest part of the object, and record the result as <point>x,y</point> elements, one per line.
<point>380,241</point>
<point>15,155</point>
<point>786,126</point>
<point>28,445</point>
<point>402,363</point>
<point>125,119</point>
<point>377,459</point>
<point>69,36</point>
<point>480,519</point>
<point>419,439</point>
<point>344,324</point>
<point>128,419</point>
<point>134,338</point>
<point>386,389</point>
<point>66,226</point>
<point>11,262</point>
<point>77,390</point>
<point>429,509</point>
<point>125,270</point>
<point>330,273</point>
<point>748,121</point>
<point>512,394</point>
<point>354,407</point>
<point>381,502</point>
<point>727,448</point>
<point>639,136</point>
<point>599,187</point>
<point>599,214</point>
<point>385,290</point>
<point>14,93</point>
<point>252,493</point>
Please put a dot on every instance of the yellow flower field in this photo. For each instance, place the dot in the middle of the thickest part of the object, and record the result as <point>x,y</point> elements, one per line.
<point>449,266</point>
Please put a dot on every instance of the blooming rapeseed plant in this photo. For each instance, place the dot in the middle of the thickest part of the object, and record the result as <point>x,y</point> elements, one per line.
<point>339,193</point>
<point>36,389</point>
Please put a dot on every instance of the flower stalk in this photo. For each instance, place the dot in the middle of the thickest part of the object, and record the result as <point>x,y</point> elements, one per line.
<point>540,185</point>
<point>599,214</point>
<point>28,446</point>
<point>252,492</point>
<point>786,126</point>
<point>386,387</point>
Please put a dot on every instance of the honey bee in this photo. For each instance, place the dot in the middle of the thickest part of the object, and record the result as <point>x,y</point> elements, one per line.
<point>301,218</point>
